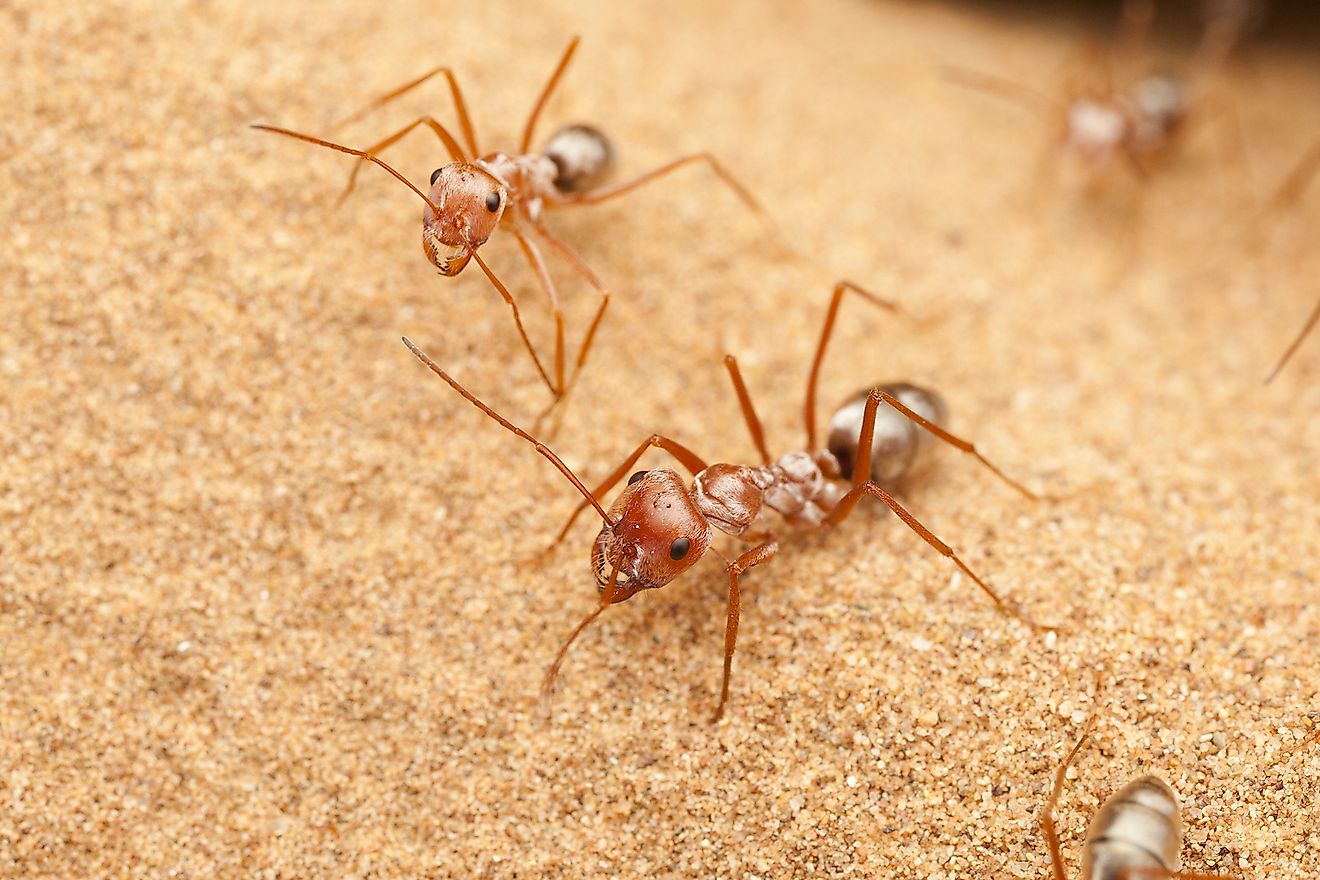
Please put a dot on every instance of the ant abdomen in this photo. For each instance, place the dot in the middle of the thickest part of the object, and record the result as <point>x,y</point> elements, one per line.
<point>899,444</point>
<point>1137,829</point>
<point>583,157</point>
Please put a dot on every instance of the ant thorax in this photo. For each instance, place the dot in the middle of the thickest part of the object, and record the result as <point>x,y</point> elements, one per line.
<point>530,179</point>
<point>802,487</point>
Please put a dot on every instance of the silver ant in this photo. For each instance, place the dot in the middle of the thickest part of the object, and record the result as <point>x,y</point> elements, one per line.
<point>1137,832</point>
<point>659,526</point>
<point>1138,122</point>
<point>470,197</point>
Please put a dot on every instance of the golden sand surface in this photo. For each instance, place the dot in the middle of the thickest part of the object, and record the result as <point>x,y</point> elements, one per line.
<point>265,601</point>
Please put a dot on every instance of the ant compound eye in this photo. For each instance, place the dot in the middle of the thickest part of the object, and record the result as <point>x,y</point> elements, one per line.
<point>435,175</point>
<point>635,477</point>
<point>493,202</point>
<point>679,548</point>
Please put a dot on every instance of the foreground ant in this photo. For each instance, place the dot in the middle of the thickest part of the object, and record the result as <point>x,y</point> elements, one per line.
<point>469,198</point>
<point>1139,122</point>
<point>659,526</point>
<point>1137,833</point>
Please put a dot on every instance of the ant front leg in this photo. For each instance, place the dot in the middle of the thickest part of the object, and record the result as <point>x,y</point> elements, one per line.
<point>863,486</point>
<point>517,320</point>
<point>755,556</point>
<point>684,456</point>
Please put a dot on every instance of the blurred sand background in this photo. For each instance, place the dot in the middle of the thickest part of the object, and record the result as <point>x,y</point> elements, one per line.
<point>263,611</point>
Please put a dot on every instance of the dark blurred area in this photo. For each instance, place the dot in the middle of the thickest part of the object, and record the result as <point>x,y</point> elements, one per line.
<point>1288,25</point>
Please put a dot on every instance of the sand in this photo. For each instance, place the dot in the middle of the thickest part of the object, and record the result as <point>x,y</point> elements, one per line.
<point>265,606</point>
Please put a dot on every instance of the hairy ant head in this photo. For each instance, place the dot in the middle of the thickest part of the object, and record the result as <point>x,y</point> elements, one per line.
<point>471,202</point>
<point>655,533</point>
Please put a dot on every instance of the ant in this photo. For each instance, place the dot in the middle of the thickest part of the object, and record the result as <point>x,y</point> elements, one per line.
<point>1139,122</point>
<point>1285,196</point>
<point>1136,833</point>
<point>469,198</point>
<point>659,526</point>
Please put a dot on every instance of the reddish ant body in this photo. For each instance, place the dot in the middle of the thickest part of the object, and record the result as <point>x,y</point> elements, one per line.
<point>478,193</point>
<point>659,526</point>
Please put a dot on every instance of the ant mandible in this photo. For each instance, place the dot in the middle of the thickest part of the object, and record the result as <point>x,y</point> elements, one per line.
<point>659,527</point>
<point>469,198</point>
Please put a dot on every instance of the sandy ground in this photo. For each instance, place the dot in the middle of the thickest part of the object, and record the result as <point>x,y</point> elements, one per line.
<point>264,602</point>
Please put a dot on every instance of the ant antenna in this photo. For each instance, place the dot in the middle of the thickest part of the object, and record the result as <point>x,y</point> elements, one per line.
<point>509,426</point>
<point>361,154</point>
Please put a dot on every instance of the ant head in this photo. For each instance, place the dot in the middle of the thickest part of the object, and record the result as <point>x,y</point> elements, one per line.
<point>471,202</point>
<point>655,534</point>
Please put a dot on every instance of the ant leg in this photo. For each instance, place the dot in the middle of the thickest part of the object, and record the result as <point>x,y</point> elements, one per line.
<point>530,129</point>
<point>1287,193</point>
<point>533,254</point>
<point>684,456</point>
<point>361,154</point>
<point>597,196</point>
<point>455,151</point>
<point>575,262</point>
<point>748,410</point>
<point>1301,337</point>
<point>1298,179</point>
<point>570,256</point>
<point>464,121</point>
<point>1047,815</point>
<point>863,486</point>
<point>953,440</point>
<point>752,557</point>
<point>809,405</point>
<point>517,319</point>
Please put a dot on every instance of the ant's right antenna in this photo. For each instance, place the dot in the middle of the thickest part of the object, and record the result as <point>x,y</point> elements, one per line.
<point>540,447</point>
